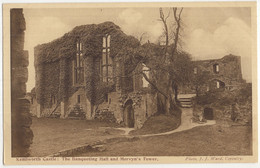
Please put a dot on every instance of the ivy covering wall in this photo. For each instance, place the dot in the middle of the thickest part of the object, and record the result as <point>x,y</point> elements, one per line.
<point>48,62</point>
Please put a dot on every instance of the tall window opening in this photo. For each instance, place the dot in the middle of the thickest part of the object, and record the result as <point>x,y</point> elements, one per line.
<point>195,70</point>
<point>218,84</point>
<point>106,62</point>
<point>106,97</point>
<point>216,68</point>
<point>79,64</point>
<point>78,99</point>
<point>146,71</point>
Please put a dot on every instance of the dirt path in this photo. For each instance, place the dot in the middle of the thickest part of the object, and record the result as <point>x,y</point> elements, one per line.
<point>186,124</point>
<point>212,140</point>
<point>54,135</point>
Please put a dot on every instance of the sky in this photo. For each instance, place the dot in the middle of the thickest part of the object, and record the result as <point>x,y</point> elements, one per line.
<point>208,33</point>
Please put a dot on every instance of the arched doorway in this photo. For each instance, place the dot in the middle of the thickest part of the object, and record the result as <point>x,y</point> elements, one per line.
<point>129,114</point>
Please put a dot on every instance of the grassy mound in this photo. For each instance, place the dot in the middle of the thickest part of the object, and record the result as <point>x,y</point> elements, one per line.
<point>158,124</point>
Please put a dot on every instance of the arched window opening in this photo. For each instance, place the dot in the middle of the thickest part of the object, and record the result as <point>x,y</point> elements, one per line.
<point>79,64</point>
<point>220,84</point>
<point>106,62</point>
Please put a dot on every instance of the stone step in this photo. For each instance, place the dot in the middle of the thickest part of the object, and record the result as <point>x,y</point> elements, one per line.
<point>186,105</point>
<point>76,118</point>
<point>186,102</point>
<point>184,99</point>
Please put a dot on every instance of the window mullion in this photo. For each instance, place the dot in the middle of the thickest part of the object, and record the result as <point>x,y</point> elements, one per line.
<point>106,58</point>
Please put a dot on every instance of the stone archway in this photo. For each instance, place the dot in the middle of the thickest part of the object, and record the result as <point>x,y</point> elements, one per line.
<point>128,114</point>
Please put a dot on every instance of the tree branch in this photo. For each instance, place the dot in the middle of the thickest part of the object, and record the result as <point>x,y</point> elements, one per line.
<point>155,87</point>
<point>177,19</point>
<point>164,20</point>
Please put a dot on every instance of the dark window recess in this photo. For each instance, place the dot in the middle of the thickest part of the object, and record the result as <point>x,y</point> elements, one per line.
<point>109,100</point>
<point>78,99</point>
<point>32,101</point>
<point>208,113</point>
<point>106,97</point>
<point>216,68</point>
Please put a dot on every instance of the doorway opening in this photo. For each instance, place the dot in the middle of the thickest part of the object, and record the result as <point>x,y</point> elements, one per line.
<point>129,120</point>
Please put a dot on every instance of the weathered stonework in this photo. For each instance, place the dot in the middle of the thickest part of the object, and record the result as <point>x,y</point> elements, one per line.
<point>21,120</point>
<point>222,74</point>
<point>231,105</point>
<point>57,91</point>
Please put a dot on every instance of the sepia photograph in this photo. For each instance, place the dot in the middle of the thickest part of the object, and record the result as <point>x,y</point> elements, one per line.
<point>130,83</point>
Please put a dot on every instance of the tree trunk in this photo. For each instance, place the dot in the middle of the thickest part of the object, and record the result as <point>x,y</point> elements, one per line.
<point>161,104</point>
<point>168,106</point>
<point>176,93</point>
<point>197,92</point>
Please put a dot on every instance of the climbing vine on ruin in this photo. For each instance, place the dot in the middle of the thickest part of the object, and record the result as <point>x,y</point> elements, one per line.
<point>123,48</point>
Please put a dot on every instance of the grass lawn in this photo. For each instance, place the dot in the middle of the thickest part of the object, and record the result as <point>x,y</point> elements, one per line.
<point>53,135</point>
<point>157,124</point>
<point>199,141</point>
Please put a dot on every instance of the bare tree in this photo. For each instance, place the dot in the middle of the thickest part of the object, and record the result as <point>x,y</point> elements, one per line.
<point>177,20</point>
<point>168,62</point>
<point>162,62</point>
<point>163,19</point>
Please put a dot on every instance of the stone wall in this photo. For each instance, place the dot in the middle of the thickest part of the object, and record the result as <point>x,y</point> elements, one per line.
<point>144,106</point>
<point>73,100</point>
<point>54,75</point>
<point>54,70</point>
<point>229,74</point>
<point>231,105</point>
<point>21,121</point>
<point>31,96</point>
<point>229,69</point>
